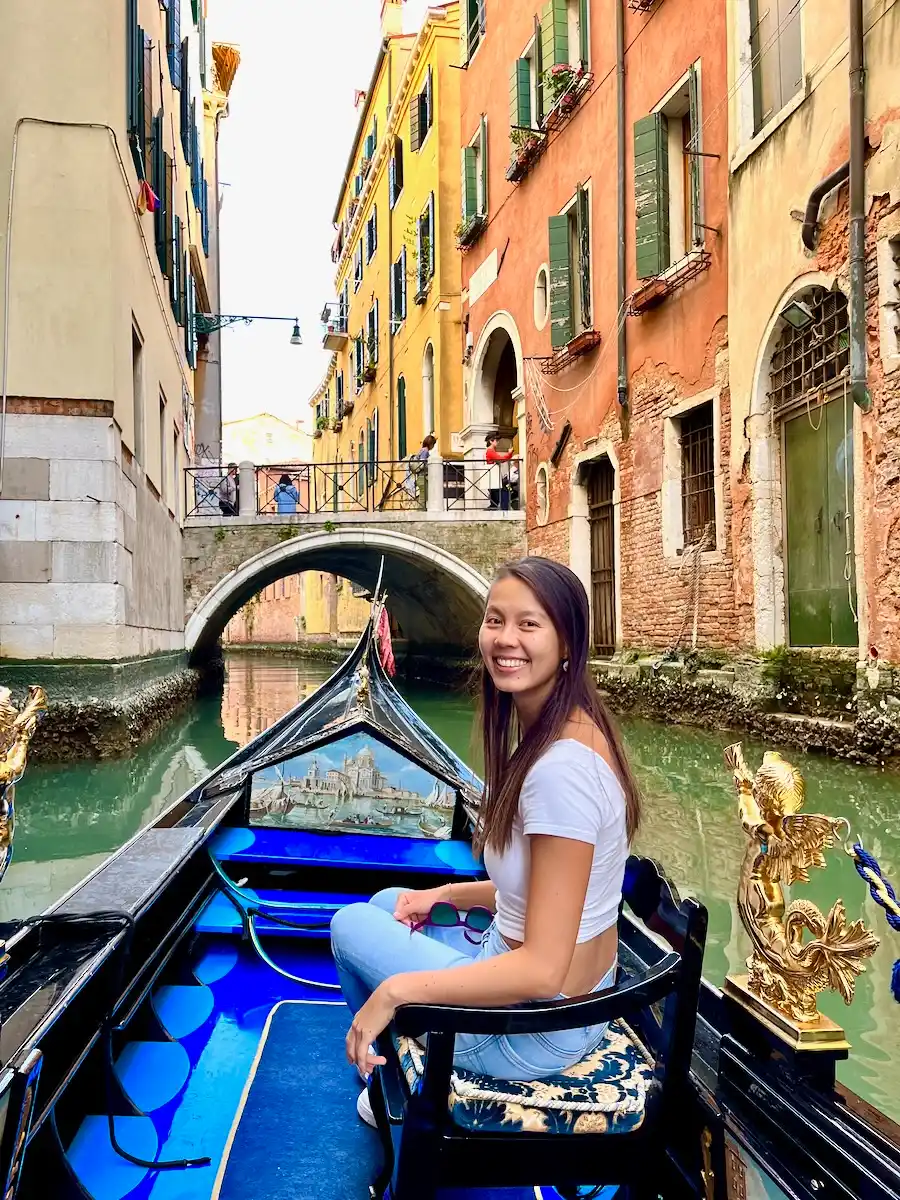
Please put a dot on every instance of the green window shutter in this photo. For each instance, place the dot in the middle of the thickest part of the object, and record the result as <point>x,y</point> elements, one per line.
<point>432,234</point>
<point>195,10</point>
<point>429,99</point>
<point>169,269</point>
<point>403,284</point>
<point>173,41</point>
<point>147,105</point>
<point>695,163</point>
<point>651,195</point>
<point>174,280</point>
<point>375,327</point>
<point>560,283</point>
<point>415,137</point>
<point>520,95</point>
<point>483,145</point>
<point>584,37</point>
<point>583,220</point>
<point>133,48</point>
<point>538,72</point>
<point>554,34</point>
<point>401,418</point>
<point>159,186</point>
<point>469,183</point>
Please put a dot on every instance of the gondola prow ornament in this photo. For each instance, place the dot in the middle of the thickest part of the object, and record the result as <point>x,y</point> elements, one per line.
<point>16,731</point>
<point>787,970</point>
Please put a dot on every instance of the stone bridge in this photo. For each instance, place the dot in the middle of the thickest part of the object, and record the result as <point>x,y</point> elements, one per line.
<point>436,566</point>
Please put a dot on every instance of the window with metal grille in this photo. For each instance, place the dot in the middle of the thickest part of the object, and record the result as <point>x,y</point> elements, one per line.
<point>698,494</point>
<point>814,357</point>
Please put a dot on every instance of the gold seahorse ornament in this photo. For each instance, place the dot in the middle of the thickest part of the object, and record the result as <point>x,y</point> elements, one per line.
<point>16,731</point>
<point>788,970</point>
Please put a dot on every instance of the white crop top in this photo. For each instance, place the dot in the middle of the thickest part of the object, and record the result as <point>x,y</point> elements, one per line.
<point>570,792</point>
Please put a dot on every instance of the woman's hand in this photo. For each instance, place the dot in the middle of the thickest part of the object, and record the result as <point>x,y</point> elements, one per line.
<point>371,1020</point>
<point>414,907</point>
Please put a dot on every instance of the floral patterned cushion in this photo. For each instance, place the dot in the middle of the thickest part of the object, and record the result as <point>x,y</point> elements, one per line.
<point>604,1093</point>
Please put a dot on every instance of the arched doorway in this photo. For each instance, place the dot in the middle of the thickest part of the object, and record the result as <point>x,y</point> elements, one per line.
<point>497,384</point>
<point>802,462</point>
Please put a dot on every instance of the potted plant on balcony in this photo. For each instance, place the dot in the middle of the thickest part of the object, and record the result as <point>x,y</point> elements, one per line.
<point>526,145</point>
<point>562,83</point>
<point>348,406</point>
<point>370,372</point>
<point>468,231</point>
<point>321,426</point>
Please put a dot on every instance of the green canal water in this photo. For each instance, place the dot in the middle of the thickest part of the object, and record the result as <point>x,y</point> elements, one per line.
<point>71,818</point>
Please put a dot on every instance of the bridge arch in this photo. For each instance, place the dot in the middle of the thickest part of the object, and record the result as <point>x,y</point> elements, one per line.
<point>436,596</point>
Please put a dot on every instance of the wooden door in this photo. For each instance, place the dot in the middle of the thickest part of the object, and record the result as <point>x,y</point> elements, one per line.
<point>601,518</point>
<point>818,500</point>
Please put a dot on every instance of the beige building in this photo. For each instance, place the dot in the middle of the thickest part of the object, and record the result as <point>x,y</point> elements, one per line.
<point>815,476</point>
<point>108,145</point>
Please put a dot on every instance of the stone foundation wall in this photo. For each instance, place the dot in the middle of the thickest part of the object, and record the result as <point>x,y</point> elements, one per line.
<point>90,555</point>
<point>824,706</point>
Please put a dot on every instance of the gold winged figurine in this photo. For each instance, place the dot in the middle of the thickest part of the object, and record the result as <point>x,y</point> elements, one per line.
<point>16,731</point>
<point>787,972</point>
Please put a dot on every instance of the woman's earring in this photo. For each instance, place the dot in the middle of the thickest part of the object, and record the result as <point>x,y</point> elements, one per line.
<point>565,664</point>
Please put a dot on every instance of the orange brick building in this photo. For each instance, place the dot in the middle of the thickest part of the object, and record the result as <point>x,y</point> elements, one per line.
<point>595,310</point>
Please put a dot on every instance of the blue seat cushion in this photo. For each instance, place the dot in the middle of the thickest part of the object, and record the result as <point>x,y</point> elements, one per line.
<point>604,1093</point>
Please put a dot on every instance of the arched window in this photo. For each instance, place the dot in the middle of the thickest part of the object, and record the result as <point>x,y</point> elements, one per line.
<point>813,350</point>
<point>401,418</point>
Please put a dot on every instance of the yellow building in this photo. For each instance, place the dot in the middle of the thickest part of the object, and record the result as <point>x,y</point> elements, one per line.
<point>108,117</point>
<point>395,327</point>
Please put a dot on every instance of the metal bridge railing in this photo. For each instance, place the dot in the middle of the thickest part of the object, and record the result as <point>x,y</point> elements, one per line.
<point>312,489</point>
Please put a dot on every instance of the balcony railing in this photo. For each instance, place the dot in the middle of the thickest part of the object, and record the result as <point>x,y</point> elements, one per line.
<point>321,489</point>
<point>334,320</point>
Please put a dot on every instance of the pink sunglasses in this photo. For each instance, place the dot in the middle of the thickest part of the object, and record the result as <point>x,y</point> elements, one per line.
<point>445,915</point>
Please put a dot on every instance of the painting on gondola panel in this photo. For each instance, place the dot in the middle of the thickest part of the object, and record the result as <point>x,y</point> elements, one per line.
<point>354,785</point>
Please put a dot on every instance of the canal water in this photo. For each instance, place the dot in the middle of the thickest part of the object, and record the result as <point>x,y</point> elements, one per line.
<point>70,818</point>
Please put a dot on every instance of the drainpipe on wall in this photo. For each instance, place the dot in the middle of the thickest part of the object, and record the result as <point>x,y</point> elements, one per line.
<point>622,387</point>
<point>858,389</point>
<point>809,232</point>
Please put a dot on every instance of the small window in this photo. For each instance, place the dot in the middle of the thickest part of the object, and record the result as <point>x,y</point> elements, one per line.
<point>401,418</point>
<point>668,178</point>
<point>541,297</point>
<point>421,113</point>
<point>371,235</point>
<point>137,392</point>
<point>176,477</point>
<point>162,445</point>
<point>473,27</point>
<point>398,291</point>
<point>698,494</point>
<point>570,271</point>
<point>542,493</point>
<point>474,176</point>
<point>372,336</point>
<point>358,266</point>
<point>776,55</point>
<point>395,172</point>
<point>425,251</point>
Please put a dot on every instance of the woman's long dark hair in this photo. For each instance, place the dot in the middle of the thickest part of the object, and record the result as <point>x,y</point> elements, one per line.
<point>507,757</point>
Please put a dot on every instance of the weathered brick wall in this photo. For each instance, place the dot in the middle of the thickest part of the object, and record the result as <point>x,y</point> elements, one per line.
<point>657,591</point>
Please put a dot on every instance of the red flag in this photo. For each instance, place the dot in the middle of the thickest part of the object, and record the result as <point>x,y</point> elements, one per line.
<point>147,199</point>
<point>385,650</point>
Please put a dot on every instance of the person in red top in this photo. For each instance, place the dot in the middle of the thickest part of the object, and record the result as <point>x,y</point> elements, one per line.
<point>499,489</point>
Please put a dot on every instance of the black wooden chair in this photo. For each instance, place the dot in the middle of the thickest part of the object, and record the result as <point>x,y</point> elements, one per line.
<point>608,1121</point>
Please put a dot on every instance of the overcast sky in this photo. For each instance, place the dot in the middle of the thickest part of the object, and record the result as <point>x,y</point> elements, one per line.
<point>282,153</point>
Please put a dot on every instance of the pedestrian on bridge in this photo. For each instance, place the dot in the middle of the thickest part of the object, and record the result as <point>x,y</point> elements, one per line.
<point>286,495</point>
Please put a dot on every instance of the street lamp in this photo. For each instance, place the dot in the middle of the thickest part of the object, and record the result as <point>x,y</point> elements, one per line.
<point>209,322</point>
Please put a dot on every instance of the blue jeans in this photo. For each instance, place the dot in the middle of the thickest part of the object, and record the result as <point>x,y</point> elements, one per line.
<point>369,946</point>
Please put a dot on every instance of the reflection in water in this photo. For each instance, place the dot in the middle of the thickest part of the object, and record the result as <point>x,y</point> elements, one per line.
<point>70,818</point>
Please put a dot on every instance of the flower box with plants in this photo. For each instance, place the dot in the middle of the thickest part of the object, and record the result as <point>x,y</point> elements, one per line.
<point>348,406</point>
<point>565,86</point>
<point>369,371</point>
<point>527,146</point>
<point>338,425</point>
<point>469,230</point>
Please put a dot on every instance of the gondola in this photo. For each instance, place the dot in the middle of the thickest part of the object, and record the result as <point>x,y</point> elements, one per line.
<point>173,1027</point>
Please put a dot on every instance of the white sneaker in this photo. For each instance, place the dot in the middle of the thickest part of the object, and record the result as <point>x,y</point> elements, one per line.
<point>364,1108</point>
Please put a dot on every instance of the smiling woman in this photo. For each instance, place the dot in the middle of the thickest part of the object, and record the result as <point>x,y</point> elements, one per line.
<point>559,809</point>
